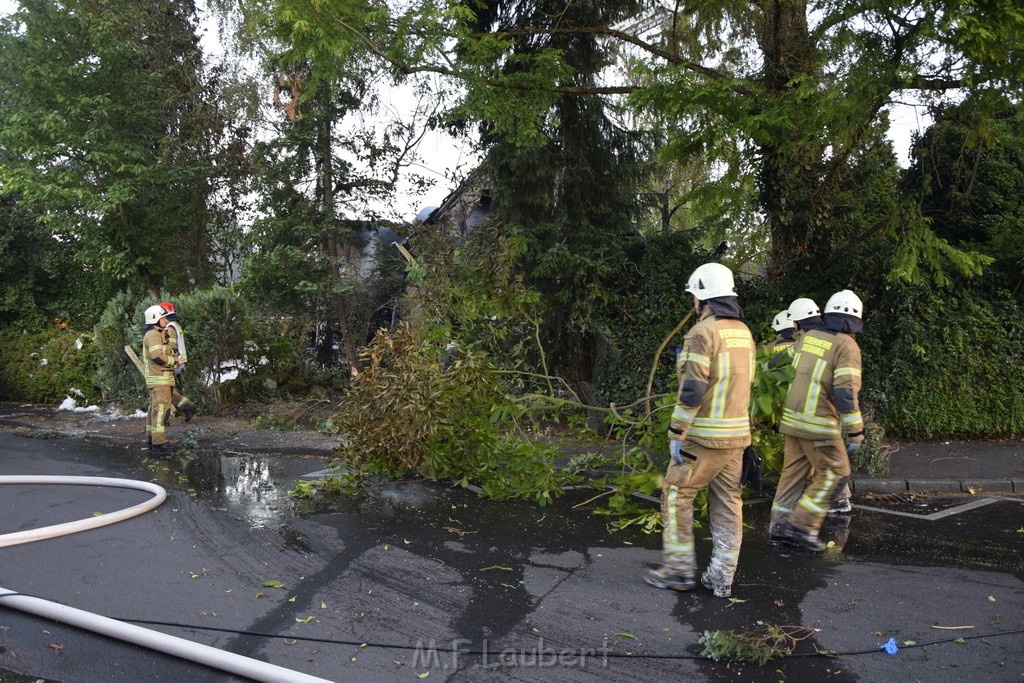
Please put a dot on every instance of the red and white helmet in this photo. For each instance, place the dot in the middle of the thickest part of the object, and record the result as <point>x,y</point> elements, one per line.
<point>167,306</point>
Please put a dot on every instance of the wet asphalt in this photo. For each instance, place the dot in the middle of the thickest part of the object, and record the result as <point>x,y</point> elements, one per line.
<point>414,578</point>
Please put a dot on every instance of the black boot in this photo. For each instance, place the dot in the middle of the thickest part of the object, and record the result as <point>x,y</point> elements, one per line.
<point>663,578</point>
<point>800,537</point>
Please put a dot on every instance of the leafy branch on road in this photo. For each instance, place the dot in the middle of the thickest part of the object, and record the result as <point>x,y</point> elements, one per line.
<point>758,646</point>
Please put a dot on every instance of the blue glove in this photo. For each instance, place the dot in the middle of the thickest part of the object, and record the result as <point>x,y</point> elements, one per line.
<point>180,369</point>
<point>675,448</point>
<point>853,447</point>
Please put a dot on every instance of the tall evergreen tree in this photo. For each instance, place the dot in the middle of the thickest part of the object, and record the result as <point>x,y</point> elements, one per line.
<point>112,135</point>
<point>574,191</point>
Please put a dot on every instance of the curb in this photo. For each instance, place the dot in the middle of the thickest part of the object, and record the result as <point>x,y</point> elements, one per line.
<point>863,485</point>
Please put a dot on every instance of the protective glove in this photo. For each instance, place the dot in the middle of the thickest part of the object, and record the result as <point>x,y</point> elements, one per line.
<point>675,448</point>
<point>853,447</point>
<point>180,369</point>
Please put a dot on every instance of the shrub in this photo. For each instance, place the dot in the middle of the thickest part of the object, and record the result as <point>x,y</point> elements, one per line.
<point>47,365</point>
<point>120,325</point>
<point>945,365</point>
<point>221,334</point>
<point>417,409</point>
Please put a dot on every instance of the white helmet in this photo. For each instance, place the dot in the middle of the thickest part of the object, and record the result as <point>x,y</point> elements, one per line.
<point>154,313</point>
<point>782,322</point>
<point>710,281</point>
<point>845,302</point>
<point>802,309</point>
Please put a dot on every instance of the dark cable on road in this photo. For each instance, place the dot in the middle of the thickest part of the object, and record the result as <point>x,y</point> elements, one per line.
<point>613,655</point>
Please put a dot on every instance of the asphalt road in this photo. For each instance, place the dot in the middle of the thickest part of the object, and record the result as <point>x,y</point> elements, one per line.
<point>415,578</point>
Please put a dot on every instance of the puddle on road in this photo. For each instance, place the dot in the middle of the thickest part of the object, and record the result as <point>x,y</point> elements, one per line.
<point>253,488</point>
<point>8,676</point>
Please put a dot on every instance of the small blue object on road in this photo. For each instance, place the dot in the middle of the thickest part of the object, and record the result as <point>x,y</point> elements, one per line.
<point>890,647</point>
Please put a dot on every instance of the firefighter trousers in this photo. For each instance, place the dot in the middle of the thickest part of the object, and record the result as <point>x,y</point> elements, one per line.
<point>161,398</point>
<point>805,503</point>
<point>718,470</point>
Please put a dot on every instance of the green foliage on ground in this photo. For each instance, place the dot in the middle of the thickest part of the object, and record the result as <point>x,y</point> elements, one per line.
<point>276,422</point>
<point>432,400</point>
<point>47,365</point>
<point>416,409</point>
<point>758,646</point>
<point>121,325</point>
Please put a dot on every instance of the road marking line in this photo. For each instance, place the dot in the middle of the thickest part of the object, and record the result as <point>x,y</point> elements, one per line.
<point>941,514</point>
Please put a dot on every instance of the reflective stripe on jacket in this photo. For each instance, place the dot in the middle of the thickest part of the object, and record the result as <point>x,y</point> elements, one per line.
<point>715,371</point>
<point>155,346</point>
<point>823,399</point>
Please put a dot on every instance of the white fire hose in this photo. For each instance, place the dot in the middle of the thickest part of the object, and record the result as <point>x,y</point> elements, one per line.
<point>154,640</point>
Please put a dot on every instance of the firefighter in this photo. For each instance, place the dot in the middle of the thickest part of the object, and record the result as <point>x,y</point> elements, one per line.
<point>709,429</point>
<point>159,361</point>
<point>176,338</point>
<point>822,403</point>
<point>781,346</point>
<point>176,335</point>
<point>805,316</point>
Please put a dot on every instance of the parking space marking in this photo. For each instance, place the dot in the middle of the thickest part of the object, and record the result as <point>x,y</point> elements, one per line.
<point>941,514</point>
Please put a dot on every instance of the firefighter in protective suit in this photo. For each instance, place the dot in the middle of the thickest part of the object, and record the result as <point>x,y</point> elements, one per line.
<point>822,403</point>
<point>805,316</point>
<point>710,427</point>
<point>176,340</point>
<point>159,358</point>
<point>783,342</point>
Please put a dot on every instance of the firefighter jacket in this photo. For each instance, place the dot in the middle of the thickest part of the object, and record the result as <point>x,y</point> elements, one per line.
<point>715,371</point>
<point>822,401</point>
<point>781,351</point>
<point>779,344</point>
<point>158,358</point>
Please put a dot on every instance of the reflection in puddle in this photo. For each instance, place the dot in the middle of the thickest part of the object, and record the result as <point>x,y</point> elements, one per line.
<point>250,487</point>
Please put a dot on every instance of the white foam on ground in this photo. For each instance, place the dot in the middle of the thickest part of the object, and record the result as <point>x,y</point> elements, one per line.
<point>71,405</point>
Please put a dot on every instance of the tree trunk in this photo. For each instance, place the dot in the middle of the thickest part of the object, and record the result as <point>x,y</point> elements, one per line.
<point>788,173</point>
<point>334,249</point>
